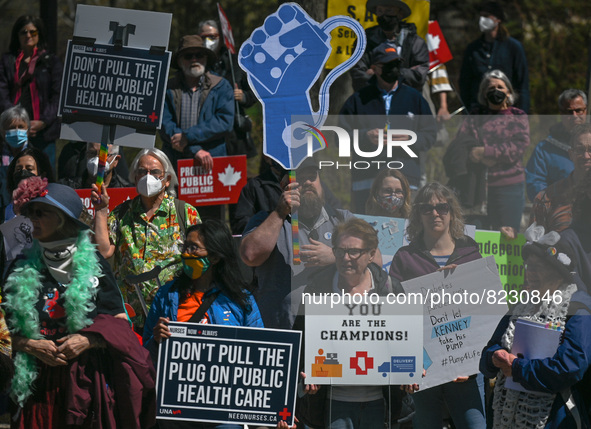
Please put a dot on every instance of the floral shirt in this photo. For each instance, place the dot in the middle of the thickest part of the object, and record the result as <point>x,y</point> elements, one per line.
<point>142,243</point>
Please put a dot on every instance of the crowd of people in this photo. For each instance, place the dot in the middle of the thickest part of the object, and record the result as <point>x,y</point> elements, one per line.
<point>80,334</point>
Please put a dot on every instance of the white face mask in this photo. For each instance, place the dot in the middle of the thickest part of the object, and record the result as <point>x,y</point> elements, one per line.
<point>148,186</point>
<point>212,44</point>
<point>92,166</point>
<point>486,24</point>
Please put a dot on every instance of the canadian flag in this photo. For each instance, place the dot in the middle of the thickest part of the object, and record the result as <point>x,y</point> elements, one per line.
<point>439,52</point>
<point>226,30</point>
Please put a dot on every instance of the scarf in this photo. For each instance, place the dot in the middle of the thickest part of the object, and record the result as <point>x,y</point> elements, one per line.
<point>518,410</point>
<point>22,289</point>
<point>28,77</point>
<point>58,256</point>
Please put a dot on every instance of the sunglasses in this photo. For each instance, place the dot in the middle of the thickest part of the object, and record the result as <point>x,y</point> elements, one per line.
<point>196,55</point>
<point>33,33</point>
<point>38,212</point>
<point>441,208</point>
<point>353,253</point>
<point>155,172</point>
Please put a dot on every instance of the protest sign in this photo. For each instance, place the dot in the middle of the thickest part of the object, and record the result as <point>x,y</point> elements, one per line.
<point>118,35</point>
<point>462,308</point>
<point>226,30</point>
<point>283,59</point>
<point>111,85</point>
<point>391,232</point>
<point>373,342</point>
<point>221,185</point>
<point>439,52</point>
<point>507,255</point>
<point>116,197</point>
<point>17,234</point>
<point>227,374</point>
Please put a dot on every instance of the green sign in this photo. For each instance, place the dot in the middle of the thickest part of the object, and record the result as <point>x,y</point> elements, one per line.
<point>507,255</point>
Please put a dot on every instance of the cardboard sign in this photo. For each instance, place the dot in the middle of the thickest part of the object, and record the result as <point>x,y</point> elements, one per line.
<point>110,85</point>
<point>462,308</point>
<point>116,197</point>
<point>391,233</point>
<point>365,344</point>
<point>227,374</point>
<point>507,254</point>
<point>222,185</point>
<point>439,52</point>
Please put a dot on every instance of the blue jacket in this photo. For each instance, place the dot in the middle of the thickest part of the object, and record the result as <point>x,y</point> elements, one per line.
<point>552,375</point>
<point>223,311</point>
<point>549,162</point>
<point>216,114</point>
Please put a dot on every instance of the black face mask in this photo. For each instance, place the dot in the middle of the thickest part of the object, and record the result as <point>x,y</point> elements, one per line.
<point>21,175</point>
<point>389,23</point>
<point>390,71</point>
<point>495,96</point>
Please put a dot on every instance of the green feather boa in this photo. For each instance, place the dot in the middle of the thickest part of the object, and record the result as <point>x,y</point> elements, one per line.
<point>22,290</point>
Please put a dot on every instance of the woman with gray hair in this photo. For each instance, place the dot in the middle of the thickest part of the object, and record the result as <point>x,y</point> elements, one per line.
<point>496,135</point>
<point>147,231</point>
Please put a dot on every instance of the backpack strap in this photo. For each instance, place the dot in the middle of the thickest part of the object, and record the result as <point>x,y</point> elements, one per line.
<point>181,215</point>
<point>205,304</point>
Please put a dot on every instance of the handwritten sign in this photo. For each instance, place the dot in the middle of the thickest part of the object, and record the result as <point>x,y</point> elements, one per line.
<point>226,374</point>
<point>112,85</point>
<point>462,308</point>
<point>221,185</point>
<point>366,343</point>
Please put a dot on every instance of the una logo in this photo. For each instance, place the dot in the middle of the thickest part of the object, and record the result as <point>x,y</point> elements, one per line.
<point>283,59</point>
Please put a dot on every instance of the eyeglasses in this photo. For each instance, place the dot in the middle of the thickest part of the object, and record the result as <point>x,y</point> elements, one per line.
<point>33,33</point>
<point>190,55</point>
<point>353,253</point>
<point>155,172</point>
<point>582,150</point>
<point>397,192</point>
<point>192,248</point>
<point>579,111</point>
<point>442,208</point>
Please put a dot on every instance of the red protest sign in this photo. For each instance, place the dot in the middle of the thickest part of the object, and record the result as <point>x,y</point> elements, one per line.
<point>226,30</point>
<point>439,52</point>
<point>116,197</point>
<point>222,185</point>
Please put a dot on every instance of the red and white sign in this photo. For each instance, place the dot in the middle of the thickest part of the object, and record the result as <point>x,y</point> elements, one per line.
<point>439,52</point>
<point>222,185</point>
<point>116,197</point>
<point>226,30</point>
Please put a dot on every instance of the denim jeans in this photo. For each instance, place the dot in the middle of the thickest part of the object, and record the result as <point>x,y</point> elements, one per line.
<point>464,401</point>
<point>505,205</point>
<point>355,415</point>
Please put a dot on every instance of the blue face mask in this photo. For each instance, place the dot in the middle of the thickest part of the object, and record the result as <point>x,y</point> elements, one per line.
<point>16,138</point>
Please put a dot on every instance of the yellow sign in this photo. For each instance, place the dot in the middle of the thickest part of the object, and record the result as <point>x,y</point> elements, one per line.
<point>343,39</point>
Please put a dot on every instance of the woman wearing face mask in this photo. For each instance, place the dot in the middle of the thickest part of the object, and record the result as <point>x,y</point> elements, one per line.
<point>390,195</point>
<point>494,50</point>
<point>146,231</point>
<point>497,136</point>
<point>208,290</point>
<point>31,77</point>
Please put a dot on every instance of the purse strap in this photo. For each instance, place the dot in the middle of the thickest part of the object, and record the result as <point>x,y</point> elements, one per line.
<point>205,304</point>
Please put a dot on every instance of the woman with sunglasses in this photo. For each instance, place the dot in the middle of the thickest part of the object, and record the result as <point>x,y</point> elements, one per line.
<point>31,77</point>
<point>77,362</point>
<point>437,242</point>
<point>355,245</point>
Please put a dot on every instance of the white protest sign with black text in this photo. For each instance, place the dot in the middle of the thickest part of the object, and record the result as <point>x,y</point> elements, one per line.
<point>365,344</point>
<point>462,308</point>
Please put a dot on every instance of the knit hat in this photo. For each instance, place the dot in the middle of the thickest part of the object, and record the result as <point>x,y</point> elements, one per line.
<point>494,9</point>
<point>549,249</point>
<point>61,197</point>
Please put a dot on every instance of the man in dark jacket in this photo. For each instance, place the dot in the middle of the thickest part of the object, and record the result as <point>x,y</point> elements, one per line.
<point>382,105</point>
<point>392,28</point>
<point>199,107</point>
